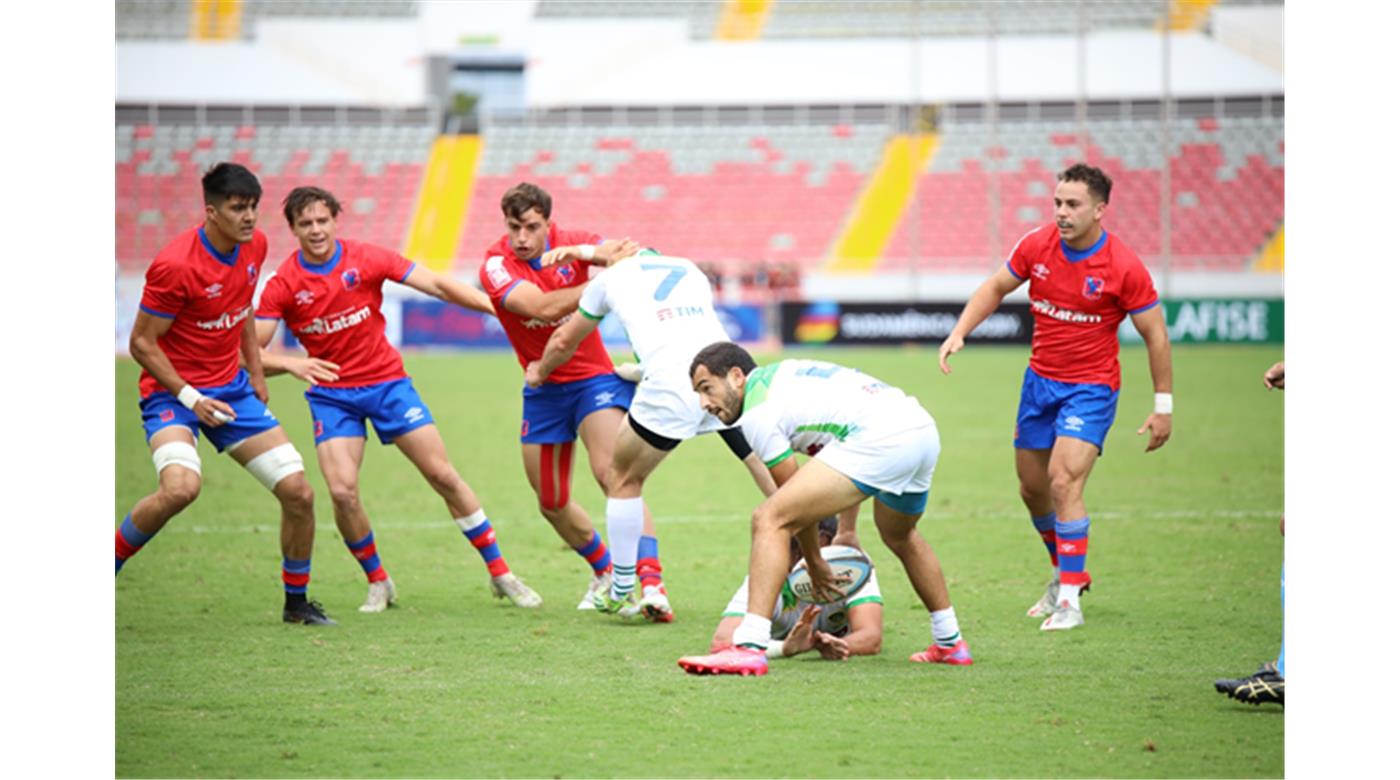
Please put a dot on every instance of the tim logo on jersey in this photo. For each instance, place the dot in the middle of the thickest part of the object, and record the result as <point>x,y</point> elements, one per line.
<point>351,278</point>
<point>1093,288</point>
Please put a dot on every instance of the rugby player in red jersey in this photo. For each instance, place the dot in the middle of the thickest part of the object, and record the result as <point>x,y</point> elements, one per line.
<point>193,323</point>
<point>1083,282</point>
<point>329,293</point>
<point>535,275</point>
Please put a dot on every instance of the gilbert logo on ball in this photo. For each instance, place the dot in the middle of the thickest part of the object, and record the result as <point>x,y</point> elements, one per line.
<point>850,569</point>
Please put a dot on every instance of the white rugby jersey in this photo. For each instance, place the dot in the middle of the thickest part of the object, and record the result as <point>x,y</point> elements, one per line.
<point>665,305</point>
<point>833,619</point>
<point>804,405</point>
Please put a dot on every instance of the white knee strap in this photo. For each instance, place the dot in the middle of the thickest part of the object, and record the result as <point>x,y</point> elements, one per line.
<point>276,464</point>
<point>176,453</point>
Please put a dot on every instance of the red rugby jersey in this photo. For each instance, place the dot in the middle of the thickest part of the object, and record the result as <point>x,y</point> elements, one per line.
<point>500,274</point>
<point>209,296</point>
<point>333,309</point>
<point>1079,298</point>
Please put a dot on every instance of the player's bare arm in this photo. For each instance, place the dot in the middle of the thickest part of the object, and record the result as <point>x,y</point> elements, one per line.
<point>311,370</point>
<point>1273,378</point>
<point>605,253</point>
<point>867,628</point>
<point>252,358</point>
<point>1152,324</point>
<point>980,306</point>
<point>450,290</point>
<point>528,300</point>
<point>562,345</point>
<point>147,352</point>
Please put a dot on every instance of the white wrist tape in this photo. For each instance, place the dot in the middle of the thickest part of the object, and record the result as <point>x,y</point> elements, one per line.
<point>1162,403</point>
<point>587,251</point>
<point>775,650</point>
<point>189,396</point>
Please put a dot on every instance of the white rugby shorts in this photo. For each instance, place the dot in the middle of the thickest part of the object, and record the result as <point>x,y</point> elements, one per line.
<point>667,405</point>
<point>901,462</point>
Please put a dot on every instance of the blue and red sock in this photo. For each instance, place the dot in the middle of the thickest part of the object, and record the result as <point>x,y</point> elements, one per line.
<point>1045,526</point>
<point>479,532</point>
<point>295,576</point>
<point>367,553</point>
<point>648,562</point>
<point>597,555</point>
<point>1072,540</point>
<point>130,540</point>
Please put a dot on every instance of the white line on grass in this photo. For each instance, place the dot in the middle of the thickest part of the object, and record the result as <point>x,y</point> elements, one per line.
<point>435,525</point>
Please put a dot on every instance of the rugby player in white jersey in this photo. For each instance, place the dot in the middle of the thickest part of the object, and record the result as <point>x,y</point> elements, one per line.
<point>865,439</point>
<point>667,308</point>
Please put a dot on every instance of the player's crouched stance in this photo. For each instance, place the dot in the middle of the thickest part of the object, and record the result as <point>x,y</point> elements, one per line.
<point>866,438</point>
<point>192,325</point>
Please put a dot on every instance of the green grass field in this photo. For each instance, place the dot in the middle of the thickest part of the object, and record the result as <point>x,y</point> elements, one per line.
<point>1185,555</point>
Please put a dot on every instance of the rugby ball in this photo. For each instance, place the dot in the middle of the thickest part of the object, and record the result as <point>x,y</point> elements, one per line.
<point>850,566</point>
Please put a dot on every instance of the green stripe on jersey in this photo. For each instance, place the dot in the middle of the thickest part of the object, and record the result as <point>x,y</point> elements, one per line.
<point>866,600</point>
<point>787,453</point>
<point>839,431</point>
<point>756,388</point>
<point>590,315</point>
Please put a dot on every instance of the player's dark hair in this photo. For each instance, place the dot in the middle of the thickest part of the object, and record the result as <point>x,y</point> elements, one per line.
<point>1095,179</point>
<point>301,197</point>
<point>721,356</point>
<point>523,197</point>
<point>226,180</point>
<point>827,527</point>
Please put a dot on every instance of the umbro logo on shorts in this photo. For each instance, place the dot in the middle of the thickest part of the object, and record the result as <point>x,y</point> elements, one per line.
<point>603,399</point>
<point>414,415</point>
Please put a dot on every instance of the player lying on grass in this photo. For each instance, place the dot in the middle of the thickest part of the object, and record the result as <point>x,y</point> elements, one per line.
<point>584,398</point>
<point>865,438</point>
<point>329,293</point>
<point>851,626</point>
<point>193,324</point>
<point>1083,282</point>
<point>667,309</point>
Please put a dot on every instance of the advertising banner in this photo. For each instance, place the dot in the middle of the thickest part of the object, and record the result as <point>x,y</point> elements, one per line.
<point>829,322</point>
<point>1218,321</point>
<point>437,324</point>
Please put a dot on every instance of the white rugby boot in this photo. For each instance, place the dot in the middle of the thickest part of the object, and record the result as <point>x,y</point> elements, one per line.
<point>1046,605</point>
<point>1063,618</point>
<point>597,587</point>
<point>381,595</point>
<point>509,586</point>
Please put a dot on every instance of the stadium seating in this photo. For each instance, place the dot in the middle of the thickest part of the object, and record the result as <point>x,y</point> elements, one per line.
<point>739,194</point>
<point>170,19</point>
<point>373,170</point>
<point>1226,189</point>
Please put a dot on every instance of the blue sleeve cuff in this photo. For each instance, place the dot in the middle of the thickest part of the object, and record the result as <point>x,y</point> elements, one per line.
<point>1144,308</point>
<point>155,313</point>
<point>1012,271</point>
<point>509,290</point>
<point>406,273</point>
<point>268,317</point>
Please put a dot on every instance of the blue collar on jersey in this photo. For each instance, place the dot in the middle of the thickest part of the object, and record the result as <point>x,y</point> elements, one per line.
<point>321,268</point>
<point>226,259</point>
<point>1075,255</point>
<point>535,263</point>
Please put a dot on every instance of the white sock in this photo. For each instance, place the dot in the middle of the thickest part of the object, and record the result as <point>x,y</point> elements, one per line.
<point>624,531</point>
<point>754,631</point>
<point>944,625</point>
<point>471,521</point>
<point>1070,593</point>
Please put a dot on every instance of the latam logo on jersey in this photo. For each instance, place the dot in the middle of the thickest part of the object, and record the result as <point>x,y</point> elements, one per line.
<point>535,322</point>
<point>336,324</point>
<point>1042,306</point>
<point>1093,288</point>
<point>351,278</point>
<point>226,321</point>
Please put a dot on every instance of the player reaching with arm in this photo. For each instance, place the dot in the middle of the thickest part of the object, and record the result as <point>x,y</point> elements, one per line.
<point>583,398</point>
<point>667,309</point>
<point>851,626</point>
<point>1083,282</point>
<point>865,438</point>
<point>193,324</point>
<point>329,293</point>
